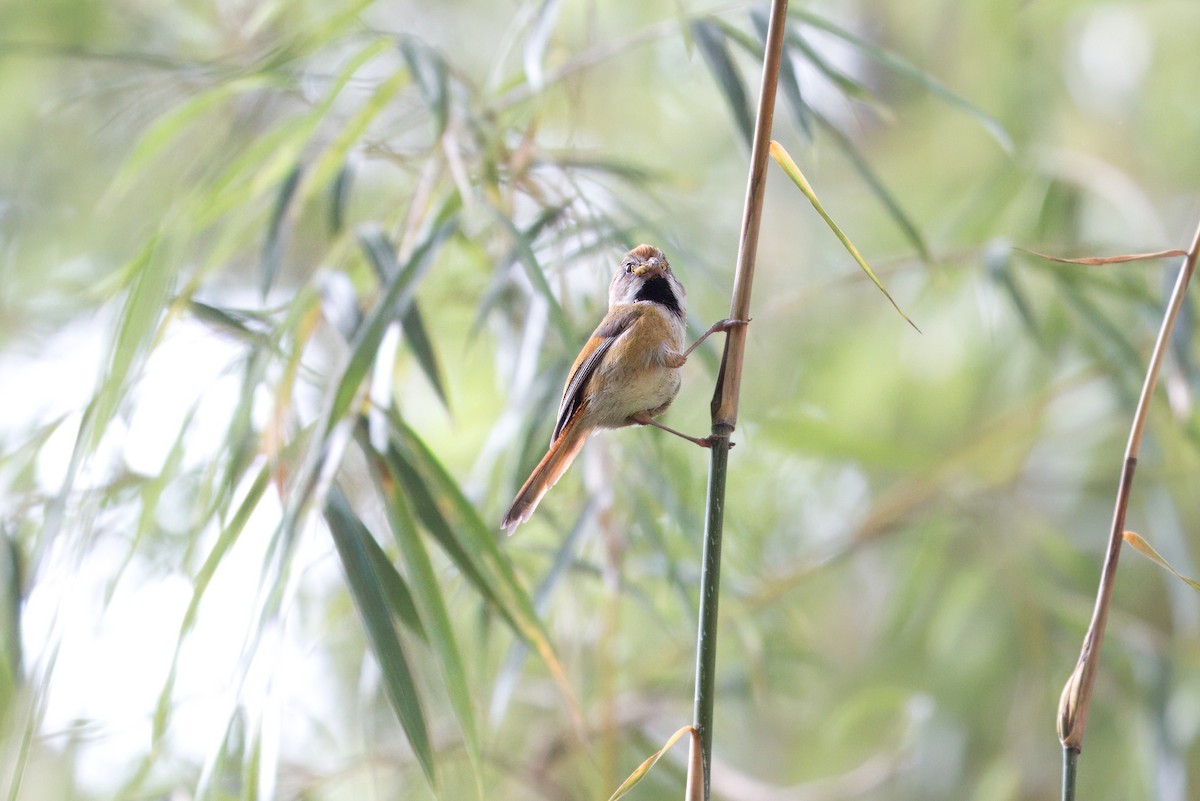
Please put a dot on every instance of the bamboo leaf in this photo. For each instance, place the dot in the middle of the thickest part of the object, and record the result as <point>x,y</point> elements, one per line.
<point>506,678</point>
<point>169,126</point>
<point>431,74</point>
<point>329,163</point>
<point>908,70</point>
<point>432,606</point>
<point>1101,260</point>
<point>539,37</point>
<point>267,161</point>
<point>848,85</point>
<point>456,525</point>
<point>151,278</point>
<point>523,252</point>
<point>907,226</point>
<point>1000,269</point>
<point>1144,548</point>
<point>395,589</point>
<point>382,256</point>
<point>349,536</point>
<point>397,298</point>
<point>785,161</point>
<point>339,197</point>
<point>12,585</point>
<point>644,768</point>
<point>709,39</point>
<point>276,240</point>
<point>788,80</point>
<point>249,327</point>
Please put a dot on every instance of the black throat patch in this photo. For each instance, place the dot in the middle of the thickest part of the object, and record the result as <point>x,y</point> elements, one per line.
<point>658,290</point>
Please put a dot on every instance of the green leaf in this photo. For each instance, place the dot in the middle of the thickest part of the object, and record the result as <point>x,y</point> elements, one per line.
<point>709,39</point>
<point>432,606</point>
<point>170,125</point>
<point>267,161</point>
<point>429,70</point>
<point>381,253</point>
<point>349,536</point>
<point>329,163</point>
<point>523,252</point>
<point>785,161</point>
<point>907,226</point>
<point>539,37</point>
<point>506,678</point>
<point>455,524</point>
<point>151,276</point>
<point>249,327</point>
<point>395,589</point>
<point>398,296</point>
<point>1144,548</point>
<point>910,71</point>
<point>12,585</point>
<point>851,87</point>
<point>788,80</point>
<point>339,197</point>
<point>276,241</point>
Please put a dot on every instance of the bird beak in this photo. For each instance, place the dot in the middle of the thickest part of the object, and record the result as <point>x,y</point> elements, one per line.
<point>651,267</point>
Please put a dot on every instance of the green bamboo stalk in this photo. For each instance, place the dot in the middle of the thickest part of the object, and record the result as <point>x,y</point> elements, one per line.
<point>725,400</point>
<point>1076,697</point>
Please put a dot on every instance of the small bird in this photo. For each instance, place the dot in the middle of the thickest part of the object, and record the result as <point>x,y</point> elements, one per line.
<point>626,374</point>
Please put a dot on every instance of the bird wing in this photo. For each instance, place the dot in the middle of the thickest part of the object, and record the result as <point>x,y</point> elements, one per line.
<point>574,394</point>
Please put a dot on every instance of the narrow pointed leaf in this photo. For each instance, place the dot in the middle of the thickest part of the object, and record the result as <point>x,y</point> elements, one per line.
<point>432,606</point>
<point>788,80</point>
<point>329,163</point>
<point>152,275</point>
<point>170,125</point>
<point>506,678</point>
<point>431,75</point>
<point>850,86</point>
<point>523,252</point>
<point>349,536</point>
<point>395,589</point>
<point>709,39</point>
<point>910,71</point>
<point>276,240</point>
<point>1095,261</point>
<point>382,256</point>
<point>535,44</point>
<point>339,197</point>
<point>1143,547</point>
<point>397,298</point>
<point>268,160</point>
<point>644,768</point>
<point>464,535</point>
<point>785,161</point>
<point>889,201</point>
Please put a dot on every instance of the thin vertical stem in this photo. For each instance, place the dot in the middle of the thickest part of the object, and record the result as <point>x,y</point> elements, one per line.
<point>1077,694</point>
<point>710,583</point>
<point>725,398</point>
<point>1070,761</point>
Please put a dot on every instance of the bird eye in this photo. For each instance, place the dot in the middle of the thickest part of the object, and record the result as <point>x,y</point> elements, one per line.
<point>628,266</point>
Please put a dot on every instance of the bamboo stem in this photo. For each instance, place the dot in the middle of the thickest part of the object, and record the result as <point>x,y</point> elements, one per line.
<point>725,400</point>
<point>1077,694</point>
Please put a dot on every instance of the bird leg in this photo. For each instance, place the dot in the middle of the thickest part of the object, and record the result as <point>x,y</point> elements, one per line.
<point>717,327</point>
<point>644,419</point>
<point>678,359</point>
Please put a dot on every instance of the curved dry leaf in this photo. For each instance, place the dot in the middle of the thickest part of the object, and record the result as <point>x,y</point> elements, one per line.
<point>1095,261</point>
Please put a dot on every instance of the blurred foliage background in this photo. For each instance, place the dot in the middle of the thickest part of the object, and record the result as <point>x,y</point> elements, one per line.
<point>288,291</point>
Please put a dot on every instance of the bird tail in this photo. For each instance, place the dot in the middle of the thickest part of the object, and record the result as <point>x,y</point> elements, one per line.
<point>556,461</point>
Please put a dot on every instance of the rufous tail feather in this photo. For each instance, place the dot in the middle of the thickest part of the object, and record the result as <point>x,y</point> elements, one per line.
<point>556,461</point>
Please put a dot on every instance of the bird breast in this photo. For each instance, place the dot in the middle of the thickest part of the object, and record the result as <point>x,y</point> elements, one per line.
<point>635,378</point>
